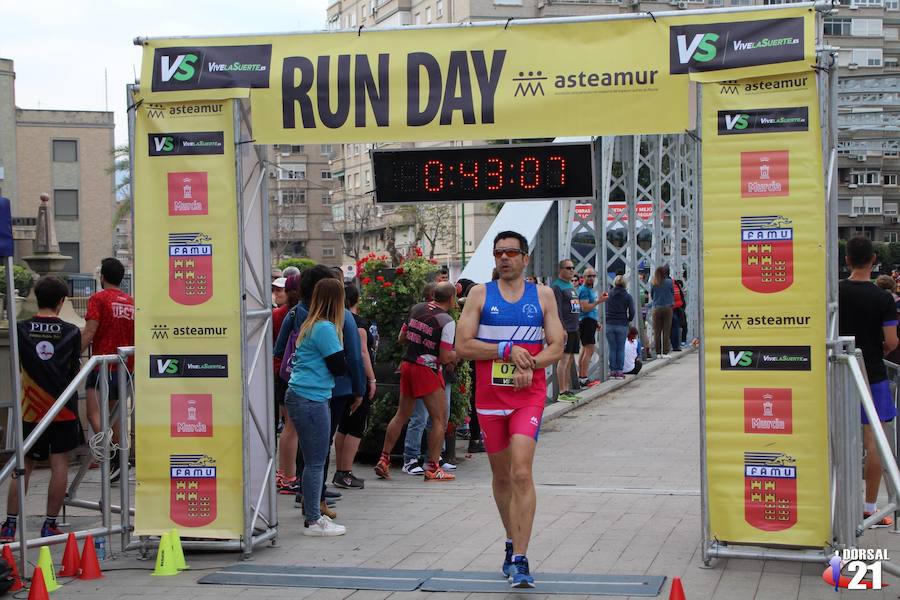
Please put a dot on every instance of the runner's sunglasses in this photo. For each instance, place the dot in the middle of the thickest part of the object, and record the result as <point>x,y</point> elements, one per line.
<point>509,252</point>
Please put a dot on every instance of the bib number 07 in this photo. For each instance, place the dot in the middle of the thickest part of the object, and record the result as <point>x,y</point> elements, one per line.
<point>502,373</point>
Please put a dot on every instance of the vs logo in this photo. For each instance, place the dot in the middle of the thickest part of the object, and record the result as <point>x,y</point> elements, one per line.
<point>167,366</point>
<point>737,121</point>
<point>163,143</point>
<point>182,68</point>
<point>701,48</point>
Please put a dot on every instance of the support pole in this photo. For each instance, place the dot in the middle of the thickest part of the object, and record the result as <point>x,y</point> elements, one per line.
<point>15,385</point>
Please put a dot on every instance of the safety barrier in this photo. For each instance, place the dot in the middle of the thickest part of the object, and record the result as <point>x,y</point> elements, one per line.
<point>15,466</point>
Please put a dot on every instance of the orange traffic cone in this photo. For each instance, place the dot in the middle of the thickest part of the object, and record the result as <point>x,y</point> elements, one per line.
<point>8,557</point>
<point>90,566</point>
<point>38,589</point>
<point>71,561</point>
<point>677,591</point>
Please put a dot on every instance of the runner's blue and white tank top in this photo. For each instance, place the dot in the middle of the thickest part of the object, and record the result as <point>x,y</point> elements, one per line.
<point>521,322</point>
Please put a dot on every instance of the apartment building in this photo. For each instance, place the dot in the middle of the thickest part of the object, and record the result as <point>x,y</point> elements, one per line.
<point>66,154</point>
<point>301,222</point>
<point>867,33</point>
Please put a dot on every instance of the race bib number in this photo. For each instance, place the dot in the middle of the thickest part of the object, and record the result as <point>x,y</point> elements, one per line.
<point>502,373</point>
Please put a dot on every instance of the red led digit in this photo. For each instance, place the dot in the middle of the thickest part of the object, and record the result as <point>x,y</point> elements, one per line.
<point>495,170</point>
<point>556,172</point>
<point>434,176</point>
<point>529,173</point>
<point>468,180</point>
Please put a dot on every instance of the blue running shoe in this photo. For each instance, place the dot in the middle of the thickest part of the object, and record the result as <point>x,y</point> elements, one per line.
<point>507,561</point>
<point>521,576</point>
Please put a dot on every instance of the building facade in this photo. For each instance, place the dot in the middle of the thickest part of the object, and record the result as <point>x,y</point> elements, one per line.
<point>67,154</point>
<point>301,222</point>
<point>867,33</point>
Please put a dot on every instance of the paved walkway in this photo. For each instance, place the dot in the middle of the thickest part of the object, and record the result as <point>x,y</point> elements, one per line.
<point>618,492</point>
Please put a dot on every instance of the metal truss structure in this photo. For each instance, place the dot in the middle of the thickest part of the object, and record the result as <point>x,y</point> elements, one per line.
<point>644,216</point>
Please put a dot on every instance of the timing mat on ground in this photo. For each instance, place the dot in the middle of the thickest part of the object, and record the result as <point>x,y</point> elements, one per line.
<point>400,580</point>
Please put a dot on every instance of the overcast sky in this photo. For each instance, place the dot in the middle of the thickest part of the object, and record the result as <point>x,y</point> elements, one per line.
<point>62,47</point>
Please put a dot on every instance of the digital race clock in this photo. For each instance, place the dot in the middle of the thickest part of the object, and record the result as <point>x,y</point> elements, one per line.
<point>484,173</point>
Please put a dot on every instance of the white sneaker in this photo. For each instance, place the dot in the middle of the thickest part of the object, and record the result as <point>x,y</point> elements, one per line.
<point>447,466</point>
<point>412,467</point>
<point>665,356</point>
<point>324,527</point>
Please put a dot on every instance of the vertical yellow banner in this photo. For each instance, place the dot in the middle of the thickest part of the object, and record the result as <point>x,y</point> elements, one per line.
<point>764,272</point>
<point>189,424</point>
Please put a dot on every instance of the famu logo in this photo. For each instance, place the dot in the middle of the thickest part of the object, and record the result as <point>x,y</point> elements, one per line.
<point>717,46</point>
<point>189,143</point>
<point>211,67</point>
<point>763,120</point>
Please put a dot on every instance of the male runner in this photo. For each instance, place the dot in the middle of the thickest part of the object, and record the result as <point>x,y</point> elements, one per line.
<point>429,336</point>
<point>511,329</point>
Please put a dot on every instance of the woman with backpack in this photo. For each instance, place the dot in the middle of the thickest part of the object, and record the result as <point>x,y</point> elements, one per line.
<point>319,358</point>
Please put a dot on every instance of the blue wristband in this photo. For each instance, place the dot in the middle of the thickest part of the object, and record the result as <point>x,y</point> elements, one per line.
<point>501,349</point>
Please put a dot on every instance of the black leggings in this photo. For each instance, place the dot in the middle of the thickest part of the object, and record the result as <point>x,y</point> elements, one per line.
<point>337,404</point>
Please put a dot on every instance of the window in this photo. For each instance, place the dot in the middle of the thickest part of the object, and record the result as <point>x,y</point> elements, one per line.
<point>417,20</point>
<point>326,199</point>
<point>865,177</point>
<point>327,251</point>
<point>72,249</point>
<point>291,172</point>
<point>428,14</point>
<point>890,179</point>
<point>353,19</point>
<point>858,205</point>
<point>368,176</point>
<point>65,204</point>
<point>356,180</point>
<point>741,2</point>
<point>890,210</point>
<point>297,249</point>
<point>327,226</point>
<point>866,28</point>
<point>297,149</point>
<point>439,8</point>
<point>716,3</point>
<point>866,57</point>
<point>328,149</point>
<point>292,223</point>
<point>65,151</point>
<point>326,174</point>
<point>890,236</point>
<point>892,4</point>
<point>867,3</point>
<point>292,197</point>
<point>838,26</point>
<point>873,205</point>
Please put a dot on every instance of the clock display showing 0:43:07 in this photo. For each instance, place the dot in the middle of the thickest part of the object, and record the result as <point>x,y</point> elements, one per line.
<point>488,174</point>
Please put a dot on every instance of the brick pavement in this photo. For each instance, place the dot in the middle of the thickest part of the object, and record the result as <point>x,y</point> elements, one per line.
<point>618,492</point>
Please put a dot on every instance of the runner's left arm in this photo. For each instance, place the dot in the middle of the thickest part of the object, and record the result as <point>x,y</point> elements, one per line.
<point>554,335</point>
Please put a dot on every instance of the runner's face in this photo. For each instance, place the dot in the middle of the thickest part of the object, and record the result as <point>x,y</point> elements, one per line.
<point>567,271</point>
<point>510,267</point>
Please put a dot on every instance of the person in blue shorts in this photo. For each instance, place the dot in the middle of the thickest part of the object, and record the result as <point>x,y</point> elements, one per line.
<point>867,312</point>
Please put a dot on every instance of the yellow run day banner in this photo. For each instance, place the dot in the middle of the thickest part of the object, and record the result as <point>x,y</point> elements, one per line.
<point>189,423</point>
<point>526,80</point>
<point>764,312</point>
